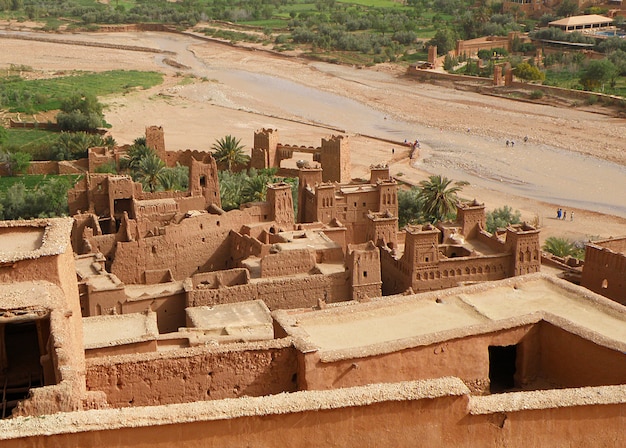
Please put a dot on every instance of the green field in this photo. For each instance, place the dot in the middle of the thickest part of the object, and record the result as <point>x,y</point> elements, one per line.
<point>40,95</point>
<point>33,181</point>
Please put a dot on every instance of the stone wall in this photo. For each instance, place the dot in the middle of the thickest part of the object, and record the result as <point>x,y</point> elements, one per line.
<point>195,374</point>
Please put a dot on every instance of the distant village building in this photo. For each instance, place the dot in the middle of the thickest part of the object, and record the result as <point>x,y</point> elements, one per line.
<point>582,23</point>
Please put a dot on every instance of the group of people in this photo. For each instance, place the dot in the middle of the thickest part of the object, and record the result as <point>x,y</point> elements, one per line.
<point>413,145</point>
<point>511,142</point>
<point>562,214</point>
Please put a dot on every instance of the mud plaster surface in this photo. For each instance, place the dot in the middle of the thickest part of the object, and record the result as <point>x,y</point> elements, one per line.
<point>416,317</point>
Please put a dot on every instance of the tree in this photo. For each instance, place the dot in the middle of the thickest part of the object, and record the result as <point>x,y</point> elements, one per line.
<point>528,72</point>
<point>229,152</point>
<point>175,178</point>
<point>135,153</point>
<point>567,8</point>
<point>80,113</point>
<point>438,197</point>
<point>4,135</point>
<point>563,247</point>
<point>409,207</point>
<point>597,73</point>
<point>502,217</point>
<point>231,185</point>
<point>16,162</point>
<point>149,169</point>
<point>74,145</point>
<point>445,40</point>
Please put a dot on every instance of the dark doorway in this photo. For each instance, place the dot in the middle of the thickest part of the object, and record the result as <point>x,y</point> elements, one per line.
<point>502,368</point>
<point>21,366</point>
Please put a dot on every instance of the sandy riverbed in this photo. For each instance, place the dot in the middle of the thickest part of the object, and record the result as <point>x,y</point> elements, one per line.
<point>198,110</point>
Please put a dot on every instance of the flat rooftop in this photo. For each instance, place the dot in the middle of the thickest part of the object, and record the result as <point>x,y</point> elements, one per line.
<point>243,321</point>
<point>306,239</point>
<point>24,240</point>
<point>391,323</point>
<point>109,331</point>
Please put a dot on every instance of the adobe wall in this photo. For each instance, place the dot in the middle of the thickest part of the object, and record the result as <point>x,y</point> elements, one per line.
<point>404,415</point>
<point>195,374</point>
<point>472,46</point>
<point>198,244</point>
<point>604,271</point>
<point>466,358</point>
<point>287,263</point>
<point>398,275</point>
<point>169,307</point>
<point>572,361</point>
<point>286,293</point>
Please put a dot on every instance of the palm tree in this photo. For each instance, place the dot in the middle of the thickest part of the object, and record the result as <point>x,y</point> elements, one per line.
<point>133,158</point>
<point>562,247</point>
<point>438,197</point>
<point>255,189</point>
<point>229,152</point>
<point>149,169</point>
<point>231,185</point>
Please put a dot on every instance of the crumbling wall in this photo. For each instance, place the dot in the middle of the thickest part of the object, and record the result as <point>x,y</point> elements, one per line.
<point>285,293</point>
<point>198,244</point>
<point>195,374</point>
<point>289,262</point>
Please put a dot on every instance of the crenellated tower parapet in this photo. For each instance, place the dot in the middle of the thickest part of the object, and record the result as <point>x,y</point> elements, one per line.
<point>335,159</point>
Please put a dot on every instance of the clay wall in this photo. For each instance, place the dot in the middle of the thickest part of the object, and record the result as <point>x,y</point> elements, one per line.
<point>289,262</point>
<point>472,46</point>
<point>437,420</point>
<point>546,355</point>
<point>169,309</point>
<point>481,85</point>
<point>214,280</point>
<point>244,246</point>
<point>572,361</point>
<point>49,167</point>
<point>104,301</point>
<point>466,358</point>
<point>286,293</point>
<point>395,275</point>
<point>433,420</point>
<point>198,244</point>
<point>126,349</point>
<point>604,271</point>
<point>454,271</point>
<point>364,263</point>
<point>196,374</point>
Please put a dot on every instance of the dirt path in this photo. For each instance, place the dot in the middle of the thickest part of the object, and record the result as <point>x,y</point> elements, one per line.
<point>196,111</point>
